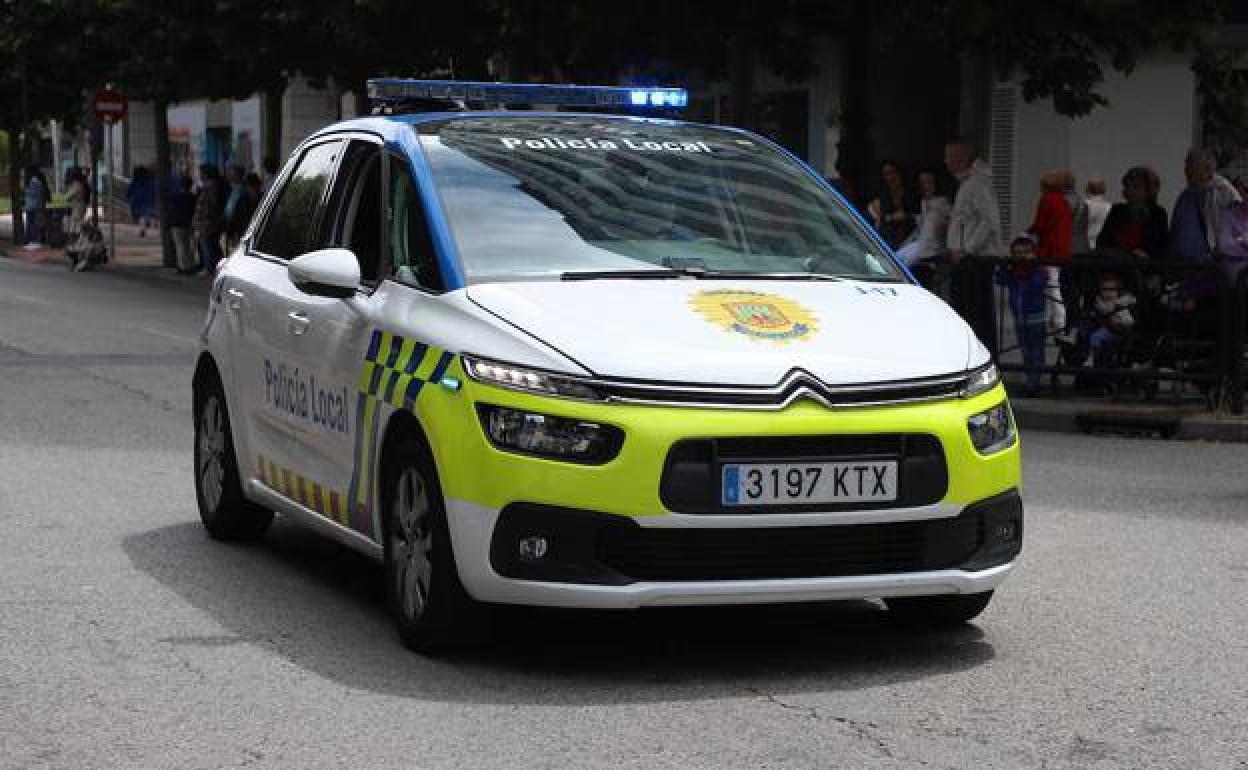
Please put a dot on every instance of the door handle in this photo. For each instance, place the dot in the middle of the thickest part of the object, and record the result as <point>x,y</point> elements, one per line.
<point>234,299</point>
<point>297,322</point>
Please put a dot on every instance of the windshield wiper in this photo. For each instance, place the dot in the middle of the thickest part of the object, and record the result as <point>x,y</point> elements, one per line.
<point>694,272</point>
<point>658,273</point>
<point>770,276</point>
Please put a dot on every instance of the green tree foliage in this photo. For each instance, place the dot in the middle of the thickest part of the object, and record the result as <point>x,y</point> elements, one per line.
<point>172,50</point>
<point>1059,48</point>
<point>370,38</point>
<point>40,58</point>
<point>1223,90</point>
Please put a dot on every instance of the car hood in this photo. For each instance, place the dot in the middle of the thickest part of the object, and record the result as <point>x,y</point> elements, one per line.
<point>739,332</point>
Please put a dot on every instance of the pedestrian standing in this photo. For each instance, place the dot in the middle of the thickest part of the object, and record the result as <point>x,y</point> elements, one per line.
<point>77,196</point>
<point>208,220</point>
<point>181,218</point>
<point>253,191</point>
<point>893,210</point>
<point>141,195</point>
<point>1098,207</point>
<point>1137,226</point>
<point>1026,281</point>
<point>974,230</point>
<point>1233,235</point>
<point>35,204</point>
<point>1198,211</point>
<point>1079,216</point>
<point>925,250</point>
<point>270,174</point>
<point>1053,228</point>
<point>235,217</point>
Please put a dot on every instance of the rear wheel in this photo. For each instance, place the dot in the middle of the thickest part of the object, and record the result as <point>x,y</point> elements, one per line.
<point>938,611</point>
<point>225,512</point>
<point>431,610</point>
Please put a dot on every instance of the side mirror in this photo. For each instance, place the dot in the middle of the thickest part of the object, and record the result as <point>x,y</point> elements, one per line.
<point>326,273</point>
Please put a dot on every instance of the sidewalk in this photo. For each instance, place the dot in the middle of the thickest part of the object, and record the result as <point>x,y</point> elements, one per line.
<point>140,258</point>
<point>1185,421</point>
<point>132,251</point>
<point>136,257</point>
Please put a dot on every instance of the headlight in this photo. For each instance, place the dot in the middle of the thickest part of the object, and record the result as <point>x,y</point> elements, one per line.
<point>544,435</point>
<point>981,380</point>
<point>992,430</point>
<point>534,380</point>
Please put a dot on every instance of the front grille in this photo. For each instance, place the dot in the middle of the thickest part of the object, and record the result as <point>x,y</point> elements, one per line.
<point>795,385</point>
<point>692,474</point>
<point>788,552</point>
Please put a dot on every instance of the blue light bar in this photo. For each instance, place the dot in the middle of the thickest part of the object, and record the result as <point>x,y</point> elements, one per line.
<point>398,90</point>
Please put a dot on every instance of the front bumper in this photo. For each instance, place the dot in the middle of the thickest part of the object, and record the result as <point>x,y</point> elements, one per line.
<point>969,553</point>
<point>480,482</point>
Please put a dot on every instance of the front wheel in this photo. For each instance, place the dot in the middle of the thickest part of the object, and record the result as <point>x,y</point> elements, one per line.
<point>938,611</point>
<point>431,610</point>
<point>225,512</point>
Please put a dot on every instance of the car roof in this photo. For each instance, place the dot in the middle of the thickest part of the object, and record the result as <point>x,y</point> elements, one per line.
<point>389,126</point>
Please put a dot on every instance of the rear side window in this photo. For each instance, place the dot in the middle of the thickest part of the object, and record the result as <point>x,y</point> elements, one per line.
<point>291,226</point>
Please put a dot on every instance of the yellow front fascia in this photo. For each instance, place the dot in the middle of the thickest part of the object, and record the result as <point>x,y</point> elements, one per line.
<point>471,469</point>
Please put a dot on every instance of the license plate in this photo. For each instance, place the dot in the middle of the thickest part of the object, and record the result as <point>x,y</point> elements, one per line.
<point>809,483</point>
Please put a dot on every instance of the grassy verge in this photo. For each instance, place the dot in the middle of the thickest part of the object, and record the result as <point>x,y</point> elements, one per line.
<point>57,200</point>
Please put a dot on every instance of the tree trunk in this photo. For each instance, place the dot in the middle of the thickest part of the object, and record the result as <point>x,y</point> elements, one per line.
<point>93,179</point>
<point>273,122</point>
<point>853,154</point>
<point>164,172</point>
<point>15,192</point>
<point>742,89</point>
<point>975,102</point>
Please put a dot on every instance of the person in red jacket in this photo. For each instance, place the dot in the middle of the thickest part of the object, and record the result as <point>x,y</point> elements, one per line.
<point>1052,228</point>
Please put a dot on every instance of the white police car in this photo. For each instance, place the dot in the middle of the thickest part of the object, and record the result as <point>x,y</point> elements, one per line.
<point>589,360</point>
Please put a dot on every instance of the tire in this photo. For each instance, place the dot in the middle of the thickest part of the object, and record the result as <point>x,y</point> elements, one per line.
<point>430,608</point>
<point>225,512</point>
<point>938,611</point>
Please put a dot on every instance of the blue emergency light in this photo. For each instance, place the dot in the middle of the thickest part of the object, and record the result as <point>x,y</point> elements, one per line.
<point>397,91</point>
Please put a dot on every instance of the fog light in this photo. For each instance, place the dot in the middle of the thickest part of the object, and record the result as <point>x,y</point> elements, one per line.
<point>533,547</point>
<point>992,430</point>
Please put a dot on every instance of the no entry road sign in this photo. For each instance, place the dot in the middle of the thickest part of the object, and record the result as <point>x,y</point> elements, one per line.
<point>110,106</point>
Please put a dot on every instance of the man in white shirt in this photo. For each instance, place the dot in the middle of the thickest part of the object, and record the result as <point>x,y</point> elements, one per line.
<point>974,230</point>
<point>1098,207</point>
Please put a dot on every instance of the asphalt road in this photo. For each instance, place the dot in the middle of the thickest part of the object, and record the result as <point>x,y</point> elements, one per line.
<point>129,639</point>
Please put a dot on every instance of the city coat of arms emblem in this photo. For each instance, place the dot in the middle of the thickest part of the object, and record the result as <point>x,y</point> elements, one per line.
<point>757,315</point>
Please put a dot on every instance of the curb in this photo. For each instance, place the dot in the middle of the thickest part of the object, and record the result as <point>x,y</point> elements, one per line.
<point>1163,422</point>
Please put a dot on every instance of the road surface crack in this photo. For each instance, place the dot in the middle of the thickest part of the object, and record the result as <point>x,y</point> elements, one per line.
<point>865,731</point>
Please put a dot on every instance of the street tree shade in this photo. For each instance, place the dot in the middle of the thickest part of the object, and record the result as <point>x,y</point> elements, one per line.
<point>1059,51</point>
<point>39,41</point>
<point>165,51</point>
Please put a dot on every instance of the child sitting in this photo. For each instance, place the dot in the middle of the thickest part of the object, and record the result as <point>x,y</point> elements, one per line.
<point>1114,318</point>
<point>1026,280</point>
<point>88,249</point>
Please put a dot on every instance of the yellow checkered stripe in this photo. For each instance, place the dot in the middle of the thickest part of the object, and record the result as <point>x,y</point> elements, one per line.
<point>330,503</point>
<point>394,371</point>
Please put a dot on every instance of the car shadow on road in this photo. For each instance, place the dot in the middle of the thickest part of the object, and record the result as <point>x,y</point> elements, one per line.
<point>320,606</point>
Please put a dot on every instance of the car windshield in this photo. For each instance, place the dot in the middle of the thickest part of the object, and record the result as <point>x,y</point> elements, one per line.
<point>544,198</point>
